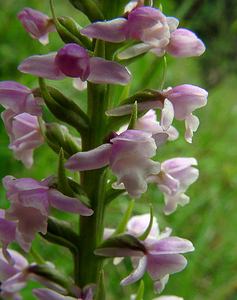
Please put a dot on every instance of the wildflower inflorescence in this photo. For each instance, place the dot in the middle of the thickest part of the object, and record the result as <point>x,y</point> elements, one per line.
<point>114,152</point>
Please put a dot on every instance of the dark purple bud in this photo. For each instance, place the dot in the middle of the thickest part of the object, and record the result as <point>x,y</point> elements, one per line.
<point>73,61</point>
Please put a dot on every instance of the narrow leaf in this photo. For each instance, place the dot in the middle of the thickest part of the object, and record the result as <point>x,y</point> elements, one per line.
<point>119,246</point>
<point>63,185</point>
<point>133,119</point>
<point>122,225</point>
<point>63,108</point>
<point>58,137</point>
<point>100,288</point>
<point>148,229</point>
<point>89,8</point>
<point>140,291</point>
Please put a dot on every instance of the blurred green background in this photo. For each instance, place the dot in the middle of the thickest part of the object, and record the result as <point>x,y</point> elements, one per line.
<point>210,220</point>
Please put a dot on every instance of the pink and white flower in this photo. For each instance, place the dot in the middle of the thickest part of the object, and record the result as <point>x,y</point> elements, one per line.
<point>74,61</point>
<point>161,257</point>
<point>24,133</point>
<point>19,98</point>
<point>37,24</point>
<point>151,28</point>
<point>178,102</point>
<point>30,204</point>
<point>128,155</point>
<point>149,123</point>
<point>184,100</point>
<point>176,176</point>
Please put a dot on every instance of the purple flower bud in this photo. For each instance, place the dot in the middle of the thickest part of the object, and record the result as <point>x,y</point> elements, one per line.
<point>37,24</point>
<point>18,98</point>
<point>74,61</point>
<point>185,43</point>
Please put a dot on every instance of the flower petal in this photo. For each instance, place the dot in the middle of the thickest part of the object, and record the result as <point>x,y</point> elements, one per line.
<point>185,43</point>
<point>15,283</point>
<point>138,224</point>
<point>43,294</point>
<point>172,23</point>
<point>90,160</point>
<point>69,204</point>
<point>171,202</point>
<point>160,284</point>
<point>42,66</point>
<point>191,124</point>
<point>79,84</point>
<point>171,245</point>
<point>110,31</point>
<point>161,265</point>
<point>186,98</point>
<point>137,273</point>
<point>108,72</point>
<point>134,51</point>
<point>167,115</point>
<point>6,270</point>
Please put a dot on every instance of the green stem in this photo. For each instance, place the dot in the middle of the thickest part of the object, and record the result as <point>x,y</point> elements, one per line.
<point>36,256</point>
<point>94,184</point>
